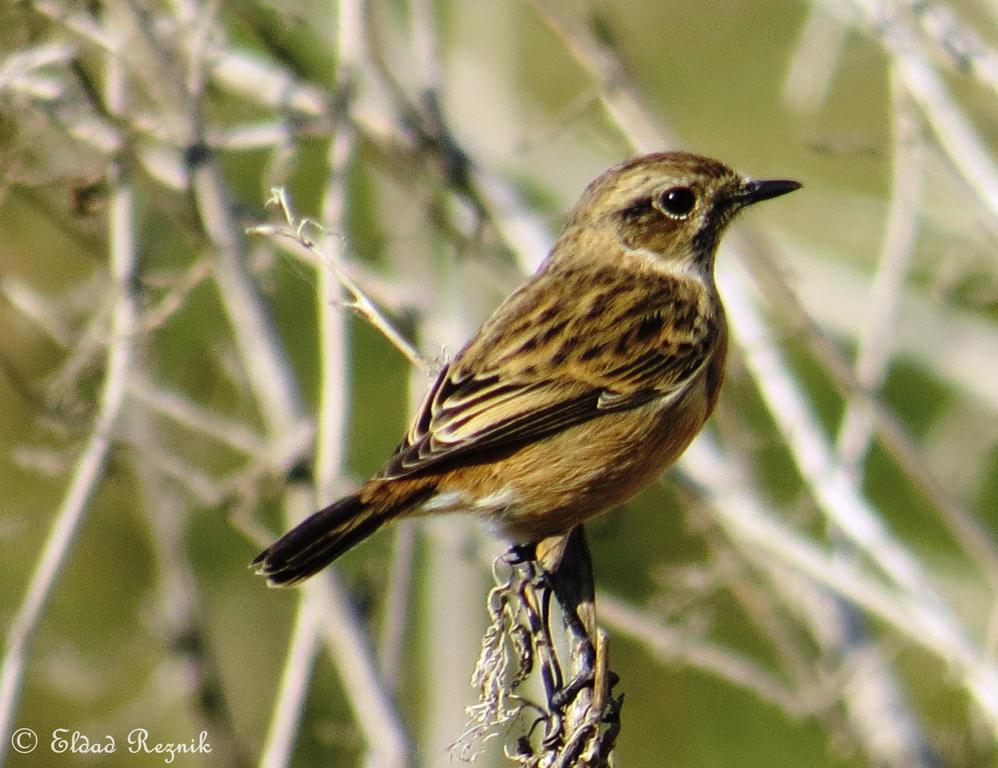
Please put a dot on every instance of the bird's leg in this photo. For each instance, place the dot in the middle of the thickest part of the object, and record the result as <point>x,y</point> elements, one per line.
<point>582,714</point>
<point>567,569</point>
<point>561,566</point>
<point>518,554</point>
<point>536,604</point>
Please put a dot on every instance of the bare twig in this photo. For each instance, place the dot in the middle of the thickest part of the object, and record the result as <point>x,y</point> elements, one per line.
<point>398,604</point>
<point>36,308</point>
<point>90,466</point>
<point>578,721</point>
<point>189,414</point>
<point>179,616</point>
<point>724,485</point>
<point>296,229</point>
<point>974,341</point>
<point>387,742</point>
<point>811,71</point>
<point>837,494</point>
<point>374,709</point>
<point>176,296</point>
<point>267,369</point>
<point>875,344</point>
<point>296,672</point>
<point>169,79</point>
<point>622,102</point>
<point>955,132</point>
<point>874,699</point>
<point>955,41</point>
<point>672,645</point>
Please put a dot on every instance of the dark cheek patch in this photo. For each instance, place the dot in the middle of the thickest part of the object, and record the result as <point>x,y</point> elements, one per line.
<point>704,240</point>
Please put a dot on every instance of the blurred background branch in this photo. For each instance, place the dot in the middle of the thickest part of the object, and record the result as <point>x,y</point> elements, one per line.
<point>815,584</point>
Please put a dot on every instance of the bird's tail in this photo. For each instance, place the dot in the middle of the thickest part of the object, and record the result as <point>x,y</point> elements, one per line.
<point>318,540</point>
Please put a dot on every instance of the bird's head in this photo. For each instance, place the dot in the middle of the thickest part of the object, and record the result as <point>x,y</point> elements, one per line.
<point>672,205</point>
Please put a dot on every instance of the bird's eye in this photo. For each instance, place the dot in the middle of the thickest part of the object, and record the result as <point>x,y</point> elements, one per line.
<point>677,202</point>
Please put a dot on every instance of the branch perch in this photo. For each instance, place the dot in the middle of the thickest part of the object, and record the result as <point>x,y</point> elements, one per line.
<point>579,717</point>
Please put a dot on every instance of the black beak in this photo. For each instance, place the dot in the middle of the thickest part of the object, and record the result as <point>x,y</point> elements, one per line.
<point>755,190</point>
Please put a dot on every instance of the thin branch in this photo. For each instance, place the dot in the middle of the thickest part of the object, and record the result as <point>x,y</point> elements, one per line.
<point>876,342</point>
<point>955,132</point>
<point>289,702</point>
<point>375,712</point>
<point>18,70</point>
<point>578,721</point>
<point>874,699</point>
<point>189,414</point>
<point>295,229</point>
<point>622,101</point>
<point>742,513</point>
<point>36,308</point>
<point>812,67</point>
<point>90,466</point>
<point>81,24</point>
<point>176,297</point>
<point>955,42</point>
<point>266,367</point>
<point>203,489</point>
<point>834,490</point>
<point>387,741</point>
<point>179,616</point>
<point>397,604</point>
<point>83,354</point>
<point>975,343</point>
<point>673,646</point>
<point>342,628</point>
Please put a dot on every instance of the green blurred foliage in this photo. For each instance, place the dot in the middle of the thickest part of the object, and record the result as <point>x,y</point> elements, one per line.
<point>714,70</point>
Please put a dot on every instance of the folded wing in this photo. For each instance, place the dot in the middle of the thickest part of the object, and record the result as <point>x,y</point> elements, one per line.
<point>501,394</point>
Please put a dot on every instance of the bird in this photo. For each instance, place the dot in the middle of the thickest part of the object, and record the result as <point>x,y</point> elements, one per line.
<point>582,387</point>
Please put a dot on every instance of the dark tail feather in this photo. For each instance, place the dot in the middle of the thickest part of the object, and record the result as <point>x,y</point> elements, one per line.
<point>317,541</point>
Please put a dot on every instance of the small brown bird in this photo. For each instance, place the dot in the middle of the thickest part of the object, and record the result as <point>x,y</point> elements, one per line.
<point>583,386</point>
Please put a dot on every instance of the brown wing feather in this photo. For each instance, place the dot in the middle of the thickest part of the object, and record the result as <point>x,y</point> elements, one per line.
<point>554,367</point>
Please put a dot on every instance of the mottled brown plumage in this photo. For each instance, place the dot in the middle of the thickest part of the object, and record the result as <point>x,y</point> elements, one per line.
<point>585,383</point>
